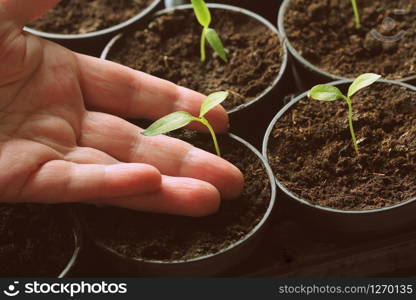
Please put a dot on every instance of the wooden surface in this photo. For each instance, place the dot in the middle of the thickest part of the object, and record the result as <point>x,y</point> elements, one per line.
<point>297,250</point>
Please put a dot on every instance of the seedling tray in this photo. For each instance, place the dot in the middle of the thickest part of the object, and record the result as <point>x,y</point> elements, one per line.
<point>293,247</point>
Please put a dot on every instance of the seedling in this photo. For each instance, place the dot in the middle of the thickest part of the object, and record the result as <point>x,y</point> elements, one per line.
<point>356,14</point>
<point>180,119</point>
<point>208,34</point>
<point>323,92</point>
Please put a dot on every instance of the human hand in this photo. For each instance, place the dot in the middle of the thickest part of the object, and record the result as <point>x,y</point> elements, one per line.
<point>62,138</point>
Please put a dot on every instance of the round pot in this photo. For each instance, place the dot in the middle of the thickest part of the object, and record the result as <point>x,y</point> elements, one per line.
<point>78,241</point>
<point>49,228</point>
<point>92,42</point>
<point>305,73</point>
<point>204,266</point>
<point>375,221</point>
<point>266,103</point>
<point>265,8</point>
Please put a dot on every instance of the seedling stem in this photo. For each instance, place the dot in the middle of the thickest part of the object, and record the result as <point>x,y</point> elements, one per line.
<point>203,43</point>
<point>214,137</point>
<point>351,126</point>
<point>356,14</point>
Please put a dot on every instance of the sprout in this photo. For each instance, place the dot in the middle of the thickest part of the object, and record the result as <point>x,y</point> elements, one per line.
<point>180,119</point>
<point>331,93</point>
<point>204,18</point>
<point>356,14</point>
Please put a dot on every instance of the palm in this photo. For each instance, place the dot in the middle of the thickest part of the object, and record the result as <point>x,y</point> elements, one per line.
<point>43,118</point>
<point>60,142</point>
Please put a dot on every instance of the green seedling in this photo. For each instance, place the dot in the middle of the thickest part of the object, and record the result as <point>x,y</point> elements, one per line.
<point>356,14</point>
<point>208,34</point>
<point>323,92</point>
<point>180,119</point>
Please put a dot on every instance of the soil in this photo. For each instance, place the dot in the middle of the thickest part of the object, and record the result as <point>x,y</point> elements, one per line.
<point>35,240</point>
<point>324,33</point>
<point>83,16</point>
<point>170,48</point>
<point>311,152</point>
<point>163,237</point>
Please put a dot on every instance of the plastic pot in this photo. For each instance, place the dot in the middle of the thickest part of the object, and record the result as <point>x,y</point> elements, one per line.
<point>204,266</point>
<point>265,104</point>
<point>91,43</point>
<point>377,222</point>
<point>305,73</point>
<point>43,223</point>
<point>78,242</point>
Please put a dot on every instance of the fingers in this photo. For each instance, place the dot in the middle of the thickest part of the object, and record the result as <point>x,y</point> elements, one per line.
<point>115,89</point>
<point>22,12</point>
<point>62,181</point>
<point>132,186</point>
<point>170,156</point>
<point>177,196</point>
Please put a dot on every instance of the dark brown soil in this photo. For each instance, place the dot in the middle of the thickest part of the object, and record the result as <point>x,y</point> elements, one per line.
<point>170,48</point>
<point>163,237</point>
<point>83,16</point>
<point>324,33</point>
<point>35,240</point>
<point>312,155</point>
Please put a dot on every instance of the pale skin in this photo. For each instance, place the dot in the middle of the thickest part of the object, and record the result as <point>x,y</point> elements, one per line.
<point>63,137</point>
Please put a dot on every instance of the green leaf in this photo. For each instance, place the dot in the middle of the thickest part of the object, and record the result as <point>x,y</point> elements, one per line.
<point>211,101</point>
<point>216,44</point>
<point>169,123</point>
<point>361,82</point>
<point>324,92</point>
<point>202,12</point>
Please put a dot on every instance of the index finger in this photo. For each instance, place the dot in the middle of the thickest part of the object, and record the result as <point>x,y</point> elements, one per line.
<point>116,89</point>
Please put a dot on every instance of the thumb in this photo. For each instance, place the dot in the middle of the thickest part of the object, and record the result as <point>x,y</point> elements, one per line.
<point>21,12</point>
<point>20,54</point>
